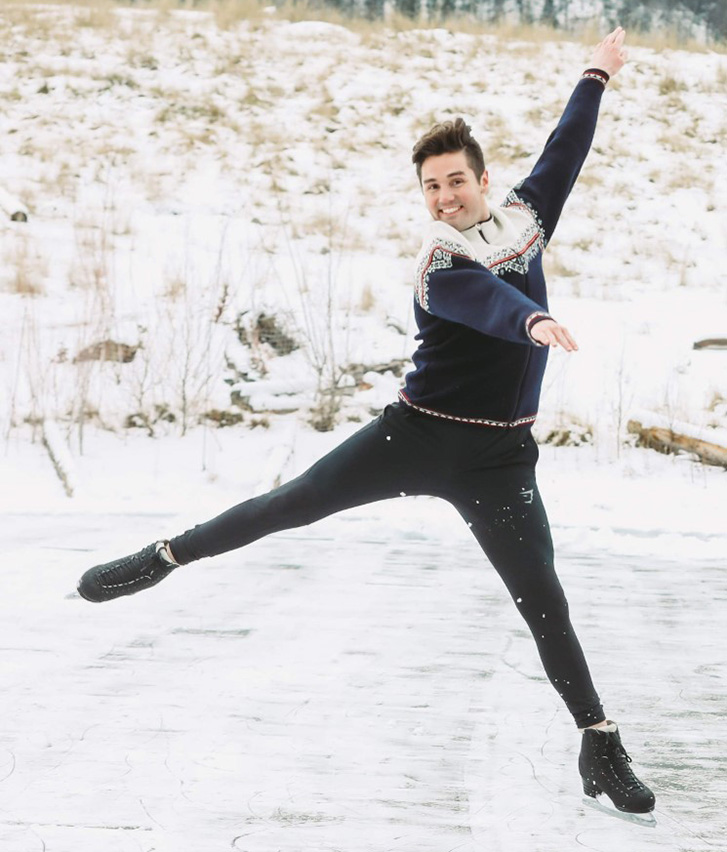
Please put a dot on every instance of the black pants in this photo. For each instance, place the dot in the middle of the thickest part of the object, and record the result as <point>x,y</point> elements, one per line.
<point>487,474</point>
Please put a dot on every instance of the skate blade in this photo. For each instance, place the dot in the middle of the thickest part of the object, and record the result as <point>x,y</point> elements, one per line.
<point>648,820</point>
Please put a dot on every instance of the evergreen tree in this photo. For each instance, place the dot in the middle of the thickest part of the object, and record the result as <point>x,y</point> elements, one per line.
<point>525,11</point>
<point>638,14</point>
<point>373,9</point>
<point>548,15</point>
<point>448,7</point>
<point>713,13</point>
<point>408,8</point>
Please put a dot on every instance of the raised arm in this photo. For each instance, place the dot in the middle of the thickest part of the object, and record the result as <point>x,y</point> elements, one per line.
<point>547,187</point>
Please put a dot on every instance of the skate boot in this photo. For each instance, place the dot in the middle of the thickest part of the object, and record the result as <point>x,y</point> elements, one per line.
<point>605,768</point>
<point>126,576</point>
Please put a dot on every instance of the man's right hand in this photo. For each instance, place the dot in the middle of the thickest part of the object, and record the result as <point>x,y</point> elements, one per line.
<point>610,54</point>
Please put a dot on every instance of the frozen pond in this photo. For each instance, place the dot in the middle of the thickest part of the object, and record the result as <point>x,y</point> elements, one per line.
<point>344,687</point>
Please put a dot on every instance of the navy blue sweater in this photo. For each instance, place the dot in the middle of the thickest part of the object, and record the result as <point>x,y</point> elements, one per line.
<point>479,292</point>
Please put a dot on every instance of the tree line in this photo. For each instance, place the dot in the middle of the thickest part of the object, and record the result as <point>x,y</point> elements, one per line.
<point>701,19</point>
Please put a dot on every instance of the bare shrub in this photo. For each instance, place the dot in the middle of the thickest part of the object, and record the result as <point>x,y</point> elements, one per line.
<point>367,299</point>
<point>27,269</point>
<point>669,84</point>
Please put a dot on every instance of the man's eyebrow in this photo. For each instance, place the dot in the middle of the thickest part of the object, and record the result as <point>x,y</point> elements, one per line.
<point>451,174</point>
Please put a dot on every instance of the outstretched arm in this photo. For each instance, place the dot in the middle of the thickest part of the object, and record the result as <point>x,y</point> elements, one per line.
<point>547,187</point>
<point>452,285</point>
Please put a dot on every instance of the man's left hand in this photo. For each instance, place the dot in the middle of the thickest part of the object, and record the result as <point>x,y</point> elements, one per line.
<point>550,333</point>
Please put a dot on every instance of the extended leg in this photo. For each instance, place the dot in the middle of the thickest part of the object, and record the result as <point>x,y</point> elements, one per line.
<point>381,460</point>
<point>373,464</point>
<point>506,515</point>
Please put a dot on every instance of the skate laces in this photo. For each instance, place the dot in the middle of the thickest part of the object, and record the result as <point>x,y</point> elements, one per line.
<point>621,760</point>
<point>118,573</point>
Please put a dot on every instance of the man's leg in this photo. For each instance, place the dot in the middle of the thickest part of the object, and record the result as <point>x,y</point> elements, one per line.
<point>381,460</point>
<point>369,466</point>
<point>504,510</point>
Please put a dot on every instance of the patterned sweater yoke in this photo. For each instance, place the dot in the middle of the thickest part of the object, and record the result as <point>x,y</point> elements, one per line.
<point>478,293</point>
<point>505,243</point>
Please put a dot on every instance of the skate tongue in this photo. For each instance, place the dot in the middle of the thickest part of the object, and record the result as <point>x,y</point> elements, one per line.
<point>609,728</point>
<point>161,549</point>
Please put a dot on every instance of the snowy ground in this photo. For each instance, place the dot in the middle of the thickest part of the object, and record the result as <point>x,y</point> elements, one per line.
<point>362,684</point>
<point>183,176</point>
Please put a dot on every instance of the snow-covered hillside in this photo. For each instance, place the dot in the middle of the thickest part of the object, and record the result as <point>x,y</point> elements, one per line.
<point>199,191</point>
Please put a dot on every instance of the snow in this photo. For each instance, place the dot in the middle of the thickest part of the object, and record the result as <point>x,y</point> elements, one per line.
<point>364,683</point>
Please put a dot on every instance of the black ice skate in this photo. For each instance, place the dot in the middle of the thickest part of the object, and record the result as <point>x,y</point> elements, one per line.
<point>605,768</point>
<point>128,575</point>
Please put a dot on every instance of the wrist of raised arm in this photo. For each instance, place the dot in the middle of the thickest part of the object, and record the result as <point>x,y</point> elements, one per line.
<point>597,74</point>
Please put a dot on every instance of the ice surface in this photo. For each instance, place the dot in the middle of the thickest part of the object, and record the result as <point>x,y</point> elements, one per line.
<point>363,684</point>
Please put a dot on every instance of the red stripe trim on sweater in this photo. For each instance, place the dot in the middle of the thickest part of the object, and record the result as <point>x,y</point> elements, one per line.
<point>478,421</point>
<point>448,251</point>
<point>517,253</point>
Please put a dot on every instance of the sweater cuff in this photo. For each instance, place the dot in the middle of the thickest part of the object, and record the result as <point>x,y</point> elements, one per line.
<point>532,320</point>
<point>596,74</point>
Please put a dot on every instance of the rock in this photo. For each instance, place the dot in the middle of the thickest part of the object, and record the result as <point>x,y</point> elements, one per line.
<point>107,350</point>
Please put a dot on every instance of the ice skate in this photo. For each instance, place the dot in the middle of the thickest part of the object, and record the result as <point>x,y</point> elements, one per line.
<point>128,575</point>
<point>605,768</point>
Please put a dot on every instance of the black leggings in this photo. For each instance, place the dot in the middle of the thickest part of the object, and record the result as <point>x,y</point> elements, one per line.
<point>487,474</point>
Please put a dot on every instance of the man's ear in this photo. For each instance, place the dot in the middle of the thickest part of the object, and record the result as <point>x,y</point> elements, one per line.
<point>485,180</point>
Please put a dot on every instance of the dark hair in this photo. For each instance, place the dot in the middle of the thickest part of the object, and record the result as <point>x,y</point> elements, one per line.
<point>448,137</point>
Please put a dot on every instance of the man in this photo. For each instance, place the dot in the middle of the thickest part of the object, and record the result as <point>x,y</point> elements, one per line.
<point>461,429</point>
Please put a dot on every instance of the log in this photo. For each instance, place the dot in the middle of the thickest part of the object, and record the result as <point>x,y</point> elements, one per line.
<point>680,437</point>
<point>711,343</point>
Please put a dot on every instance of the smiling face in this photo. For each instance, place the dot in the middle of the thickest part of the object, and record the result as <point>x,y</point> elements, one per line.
<point>452,192</point>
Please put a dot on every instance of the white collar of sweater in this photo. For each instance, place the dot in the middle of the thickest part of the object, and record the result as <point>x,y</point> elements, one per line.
<point>506,241</point>
<point>507,228</point>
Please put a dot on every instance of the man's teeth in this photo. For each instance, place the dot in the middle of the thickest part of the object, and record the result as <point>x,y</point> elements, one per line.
<point>448,210</point>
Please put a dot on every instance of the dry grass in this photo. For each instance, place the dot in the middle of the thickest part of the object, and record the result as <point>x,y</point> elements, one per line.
<point>28,268</point>
<point>672,39</point>
<point>555,268</point>
<point>228,14</point>
<point>325,109</point>
<point>687,177</point>
<point>590,178</point>
<point>13,95</point>
<point>679,142</point>
<point>98,15</point>
<point>35,17</point>
<point>367,300</point>
<point>184,110</point>
<point>137,57</point>
<point>231,13</point>
<point>669,84</point>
